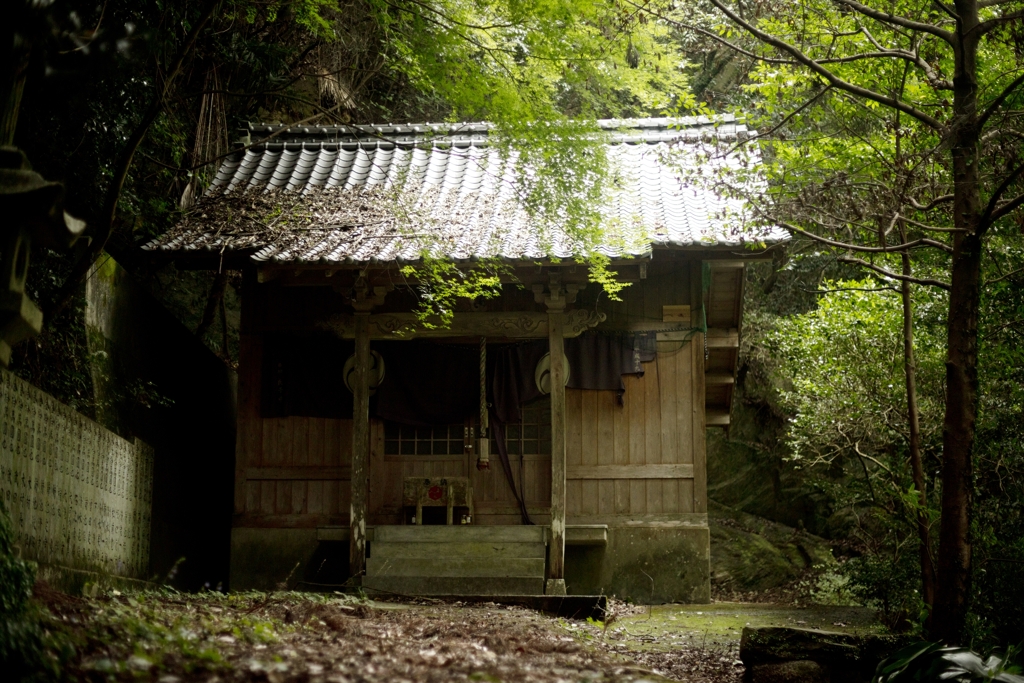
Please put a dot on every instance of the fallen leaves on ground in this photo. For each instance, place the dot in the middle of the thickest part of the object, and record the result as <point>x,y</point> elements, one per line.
<point>173,637</point>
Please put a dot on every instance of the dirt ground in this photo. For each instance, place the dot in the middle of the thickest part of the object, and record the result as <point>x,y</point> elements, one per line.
<point>170,637</point>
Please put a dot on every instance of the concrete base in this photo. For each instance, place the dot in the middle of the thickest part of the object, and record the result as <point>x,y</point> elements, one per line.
<point>457,560</point>
<point>262,559</point>
<point>644,564</point>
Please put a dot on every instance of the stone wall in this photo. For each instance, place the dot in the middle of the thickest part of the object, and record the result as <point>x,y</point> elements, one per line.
<point>80,497</point>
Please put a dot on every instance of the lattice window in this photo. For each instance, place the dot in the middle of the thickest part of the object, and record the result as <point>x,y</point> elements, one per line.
<point>441,440</point>
<point>532,436</point>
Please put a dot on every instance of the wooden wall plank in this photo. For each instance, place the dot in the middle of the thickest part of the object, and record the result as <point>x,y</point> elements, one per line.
<point>667,361</point>
<point>298,428</point>
<point>252,497</point>
<point>315,497</point>
<point>378,482</point>
<point>698,435</point>
<point>590,444</point>
<point>685,396</point>
<point>622,501</point>
<point>315,441</point>
<point>670,495</point>
<point>344,442</point>
<point>268,497</point>
<point>620,430</point>
<point>331,445</point>
<point>573,498</point>
<point>283,498</point>
<point>686,487</point>
<point>636,418</point>
<point>627,472</point>
<point>249,428</point>
<point>331,502</point>
<point>606,496</point>
<point>606,409</point>
<point>574,426</point>
<point>299,489</point>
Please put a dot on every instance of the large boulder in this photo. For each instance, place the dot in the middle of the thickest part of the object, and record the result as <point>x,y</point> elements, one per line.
<point>750,553</point>
<point>803,655</point>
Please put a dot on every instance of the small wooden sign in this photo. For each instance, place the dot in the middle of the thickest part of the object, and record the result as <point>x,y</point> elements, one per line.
<point>675,314</point>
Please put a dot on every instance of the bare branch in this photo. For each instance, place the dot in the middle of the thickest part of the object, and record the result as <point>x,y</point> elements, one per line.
<point>986,26</point>
<point>817,68</point>
<point>989,216</point>
<point>998,101</point>
<point>923,242</point>
<point>897,20</point>
<point>933,78</point>
<point>895,276</point>
<point>1012,323</point>
<point>781,123</point>
<point>1007,208</point>
<point>932,228</point>
<point>932,204</point>
<point>1005,277</point>
<point>914,57</point>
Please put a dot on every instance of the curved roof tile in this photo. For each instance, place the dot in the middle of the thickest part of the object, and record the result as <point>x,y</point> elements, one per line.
<point>389,193</point>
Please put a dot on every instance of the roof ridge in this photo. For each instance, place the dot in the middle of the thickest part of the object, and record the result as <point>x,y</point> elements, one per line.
<point>463,134</point>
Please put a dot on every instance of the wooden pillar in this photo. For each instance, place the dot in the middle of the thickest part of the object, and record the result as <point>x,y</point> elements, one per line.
<point>360,447</point>
<point>364,302</point>
<point>555,301</point>
<point>698,308</point>
<point>249,420</point>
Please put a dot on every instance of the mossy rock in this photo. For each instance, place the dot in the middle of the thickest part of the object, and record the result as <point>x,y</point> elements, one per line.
<point>847,658</point>
<point>750,553</point>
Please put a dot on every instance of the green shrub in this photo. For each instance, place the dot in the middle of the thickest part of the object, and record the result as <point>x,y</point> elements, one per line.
<point>928,662</point>
<point>27,649</point>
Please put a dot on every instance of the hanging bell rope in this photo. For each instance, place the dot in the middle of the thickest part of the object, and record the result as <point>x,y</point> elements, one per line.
<point>483,451</point>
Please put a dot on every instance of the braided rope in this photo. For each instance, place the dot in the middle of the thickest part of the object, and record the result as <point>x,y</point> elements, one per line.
<point>483,387</point>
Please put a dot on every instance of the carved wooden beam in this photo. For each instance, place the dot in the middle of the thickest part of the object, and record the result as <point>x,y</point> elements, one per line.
<point>513,324</point>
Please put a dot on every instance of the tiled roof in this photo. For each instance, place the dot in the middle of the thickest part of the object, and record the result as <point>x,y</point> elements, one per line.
<point>389,193</point>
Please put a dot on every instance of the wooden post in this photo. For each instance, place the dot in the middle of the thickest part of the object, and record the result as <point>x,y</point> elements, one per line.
<point>363,303</point>
<point>555,584</point>
<point>249,420</point>
<point>360,447</point>
<point>698,316</point>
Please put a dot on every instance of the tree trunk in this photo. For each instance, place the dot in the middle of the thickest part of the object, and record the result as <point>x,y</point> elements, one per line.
<point>954,570</point>
<point>910,373</point>
<point>954,566</point>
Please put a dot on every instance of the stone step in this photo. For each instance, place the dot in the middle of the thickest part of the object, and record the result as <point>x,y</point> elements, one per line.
<point>466,567</point>
<point>458,534</point>
<point>478,549</point>
<point>462,585</point>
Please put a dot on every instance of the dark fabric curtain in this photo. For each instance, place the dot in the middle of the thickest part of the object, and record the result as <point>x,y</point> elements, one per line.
<point>596,361</point>
<point>428,384</point>
<point>302,376</point>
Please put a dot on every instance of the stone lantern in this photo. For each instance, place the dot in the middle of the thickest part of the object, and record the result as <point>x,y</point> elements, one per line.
<point>31,210</point>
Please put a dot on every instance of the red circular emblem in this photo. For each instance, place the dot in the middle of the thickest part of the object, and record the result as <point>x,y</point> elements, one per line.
<point>435,493</point>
